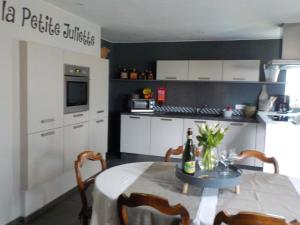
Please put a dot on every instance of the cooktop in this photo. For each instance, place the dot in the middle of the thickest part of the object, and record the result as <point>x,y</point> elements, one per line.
<point>282,118</point>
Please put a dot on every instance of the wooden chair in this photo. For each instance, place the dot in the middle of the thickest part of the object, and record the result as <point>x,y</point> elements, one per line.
<point>177,151</point>
<point>250,218</point>
<point>261,156</point>
<point>161,204</point>
<point>83,185</point>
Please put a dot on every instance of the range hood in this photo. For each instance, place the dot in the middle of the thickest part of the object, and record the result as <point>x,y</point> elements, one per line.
<point>290,48</point>
<point>285,64</point>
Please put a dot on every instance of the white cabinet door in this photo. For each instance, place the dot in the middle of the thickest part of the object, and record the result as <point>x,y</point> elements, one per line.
<point>98,135</point>
<point>241,70</point>
<point>240,136</point>
<point>74,58</point>
<point>135,134</point>
<point>73,118</point>
<point>98,87</point>
<point>45,81</point>
<point>194,123</point>
<point>172,70</point>
<point>205,70</point>
<point>76,140</point>
<point>44,157</point>
<point>282,142</point>
<point>165,133</point>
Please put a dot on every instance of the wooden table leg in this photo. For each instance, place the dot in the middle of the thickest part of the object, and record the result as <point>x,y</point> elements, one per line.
<point>185,188</point>
<point>237,189</point>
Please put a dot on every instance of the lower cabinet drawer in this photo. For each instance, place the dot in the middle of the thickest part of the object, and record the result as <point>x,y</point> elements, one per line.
<point>76,140</point>
<point>74,118</point>
<point>44,157</point>
<point>98,135</point>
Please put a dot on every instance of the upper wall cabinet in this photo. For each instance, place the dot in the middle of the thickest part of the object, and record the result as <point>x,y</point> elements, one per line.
<point>74,58</point>
<point>205,70</point>
<point>41,86</point>
<point>172,70</point>
<point>241,70</point>
<point>98,87</point>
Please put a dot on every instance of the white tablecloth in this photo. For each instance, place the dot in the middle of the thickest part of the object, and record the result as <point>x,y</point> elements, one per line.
<point>114,181</point>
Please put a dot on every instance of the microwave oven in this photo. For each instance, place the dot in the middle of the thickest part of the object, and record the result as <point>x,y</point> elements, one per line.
<point>76,89</point>
<point>141,105</point>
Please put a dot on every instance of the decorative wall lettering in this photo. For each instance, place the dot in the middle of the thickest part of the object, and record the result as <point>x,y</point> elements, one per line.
<point>46,24</point>
<point>8,13</point>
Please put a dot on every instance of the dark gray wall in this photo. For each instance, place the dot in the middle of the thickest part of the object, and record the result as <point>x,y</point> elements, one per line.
<point>143,56</point>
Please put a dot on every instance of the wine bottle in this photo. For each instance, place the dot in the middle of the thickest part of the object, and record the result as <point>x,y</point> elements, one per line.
<point>188,156</point>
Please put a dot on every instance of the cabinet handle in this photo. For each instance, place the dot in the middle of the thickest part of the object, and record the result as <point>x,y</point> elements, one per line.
<point>171,78</point>
<point>203,78</point>
<point>164,119</point>
<point>48,120</point>
<point>48,133</point>
<point>99,121</point>
<point>199,121</point>
<point>78,126</point>
<point>239,78</point>
<point>236,124</point>
<point>78,115</point>
<point>100,111</point>
<point>134,117</point>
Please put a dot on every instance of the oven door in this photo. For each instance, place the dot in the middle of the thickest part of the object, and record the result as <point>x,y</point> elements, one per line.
<point>76,94</point>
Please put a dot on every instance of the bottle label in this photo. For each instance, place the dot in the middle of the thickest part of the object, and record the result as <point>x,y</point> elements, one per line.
<point>189,167</point>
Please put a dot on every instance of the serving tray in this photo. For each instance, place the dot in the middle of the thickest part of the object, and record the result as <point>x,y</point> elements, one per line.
<point>212,179</point>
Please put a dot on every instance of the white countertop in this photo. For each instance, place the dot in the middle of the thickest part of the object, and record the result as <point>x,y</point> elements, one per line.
<point>264,117</point>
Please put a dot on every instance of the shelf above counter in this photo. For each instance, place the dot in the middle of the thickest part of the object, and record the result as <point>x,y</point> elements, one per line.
<point>198,81</point>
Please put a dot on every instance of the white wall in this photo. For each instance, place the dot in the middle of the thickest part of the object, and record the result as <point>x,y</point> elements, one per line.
<point>11,196</point>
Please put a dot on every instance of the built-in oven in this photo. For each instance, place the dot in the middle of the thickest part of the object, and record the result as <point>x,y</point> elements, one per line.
<point>76,88</point>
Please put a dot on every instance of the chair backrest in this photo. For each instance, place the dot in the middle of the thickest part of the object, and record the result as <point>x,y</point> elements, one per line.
<point>261,156</point>
<point>177,151</point>
<point>160,204</point>
<point>84,184</point>
<point>250,218</point>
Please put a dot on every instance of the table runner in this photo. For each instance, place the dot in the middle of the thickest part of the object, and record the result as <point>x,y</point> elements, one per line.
<point>159,179</point>
<point>263,193</point>
<point>114,181</point>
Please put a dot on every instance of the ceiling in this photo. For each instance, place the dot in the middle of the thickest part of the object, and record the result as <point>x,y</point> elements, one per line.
<point>185,20</point>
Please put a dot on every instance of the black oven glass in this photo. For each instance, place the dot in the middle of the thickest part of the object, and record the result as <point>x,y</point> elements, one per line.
<point>77,93</point>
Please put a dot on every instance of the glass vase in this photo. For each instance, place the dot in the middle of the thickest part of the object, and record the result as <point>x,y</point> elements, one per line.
<point>209,159</point>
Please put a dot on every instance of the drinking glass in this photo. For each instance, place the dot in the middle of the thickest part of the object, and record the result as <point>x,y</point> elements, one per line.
<point>227,157</point>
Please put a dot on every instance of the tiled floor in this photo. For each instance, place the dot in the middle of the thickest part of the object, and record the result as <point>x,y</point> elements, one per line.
<point>66,211</point>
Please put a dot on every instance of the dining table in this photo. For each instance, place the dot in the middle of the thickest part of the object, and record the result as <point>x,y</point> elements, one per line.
<point>261,192</point>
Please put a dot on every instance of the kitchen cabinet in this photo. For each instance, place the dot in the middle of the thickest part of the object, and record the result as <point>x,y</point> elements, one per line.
<point>74,58</point>
<point>98,135</point>
<point>241,70</point>
<point>203,70</point>
<point>240,136</point>
<point>165,133</point>
<point>44,157</point>
<point>194,123</point>
<point>41,87</point>
<point>73,118</point>
<point>172,70</point>
<point>135,134</point>
<point>76,140</point>
<point>282,142</point>
<point>98,87</point>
